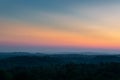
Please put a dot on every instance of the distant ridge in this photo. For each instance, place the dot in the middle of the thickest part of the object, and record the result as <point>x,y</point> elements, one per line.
<point>64,58</point>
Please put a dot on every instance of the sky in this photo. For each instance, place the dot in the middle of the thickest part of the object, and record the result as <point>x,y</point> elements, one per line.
<point>59,25</point>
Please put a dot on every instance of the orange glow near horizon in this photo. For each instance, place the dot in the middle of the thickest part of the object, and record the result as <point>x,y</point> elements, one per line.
<point>34,35</point>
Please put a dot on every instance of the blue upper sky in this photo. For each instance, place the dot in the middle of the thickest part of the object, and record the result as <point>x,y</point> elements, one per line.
<point>13,8</point>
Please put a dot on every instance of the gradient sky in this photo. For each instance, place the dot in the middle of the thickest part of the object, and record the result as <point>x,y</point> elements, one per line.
<point>59,25</point>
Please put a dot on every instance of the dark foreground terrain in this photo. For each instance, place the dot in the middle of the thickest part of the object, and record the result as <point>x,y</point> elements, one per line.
<point>27,66</point>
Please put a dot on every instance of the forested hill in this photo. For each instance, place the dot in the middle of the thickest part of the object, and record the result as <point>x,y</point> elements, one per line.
<point>36,59</point>
<point>39,66</point>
